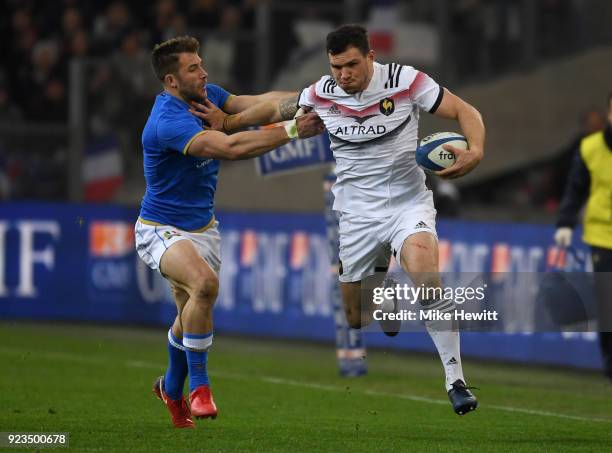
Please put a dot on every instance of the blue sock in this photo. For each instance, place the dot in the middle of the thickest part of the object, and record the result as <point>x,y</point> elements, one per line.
<point>174,380</point>
<point>197,358</point>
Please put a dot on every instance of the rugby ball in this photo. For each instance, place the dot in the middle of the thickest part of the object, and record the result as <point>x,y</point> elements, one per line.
<point>431,156</point>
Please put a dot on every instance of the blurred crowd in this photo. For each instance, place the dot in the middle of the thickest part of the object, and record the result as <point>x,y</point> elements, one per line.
<point>38,39</point>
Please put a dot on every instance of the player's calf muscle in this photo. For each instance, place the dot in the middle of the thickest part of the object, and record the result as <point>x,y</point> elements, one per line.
<point>357,304</point>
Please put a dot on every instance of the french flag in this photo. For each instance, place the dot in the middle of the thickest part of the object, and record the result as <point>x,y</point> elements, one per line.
<point>102,169</point>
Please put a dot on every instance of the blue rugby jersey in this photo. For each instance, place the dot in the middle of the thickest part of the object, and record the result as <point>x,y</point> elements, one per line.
<point>180,188</point>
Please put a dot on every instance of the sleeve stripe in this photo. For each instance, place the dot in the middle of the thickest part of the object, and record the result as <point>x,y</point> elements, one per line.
<point>229,98</point>
<point>186,148</point>
<point>438,100</point>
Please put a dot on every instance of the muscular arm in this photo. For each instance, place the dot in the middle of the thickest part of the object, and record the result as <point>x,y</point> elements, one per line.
<point>271,111</point>
<point>454,108</point>
<point>472,126</point>
<point>237,104</point>
<point>243,145</point>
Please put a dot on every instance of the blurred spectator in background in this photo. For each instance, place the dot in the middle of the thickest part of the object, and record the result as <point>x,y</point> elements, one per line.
<point>45,87</point>
<point>205,14</point>
<point>137,88</point>
<point>220,47</point>
<point>9,112</point>
<point>591,121</point>
<point>590,180</point>
<point>165,12</point>
<point>77,46</point>
<point>109,28</point>
<point>72,22</point>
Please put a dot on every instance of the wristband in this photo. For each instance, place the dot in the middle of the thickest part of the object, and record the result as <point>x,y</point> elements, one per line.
<point>291,129</point>
<point>231,123</point>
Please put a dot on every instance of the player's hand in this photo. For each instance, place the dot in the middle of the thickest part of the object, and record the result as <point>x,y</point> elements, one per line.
<point>563,237</point>
<point>465,161</point>
<point>309,125</point>
<point>210,113</point>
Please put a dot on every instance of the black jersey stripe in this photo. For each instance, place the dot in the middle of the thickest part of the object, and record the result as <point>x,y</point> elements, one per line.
<point>329,85</point>
<point>390,75</point>
<point>393,76</point>
<point>397,75</point>
<point>438,100</point>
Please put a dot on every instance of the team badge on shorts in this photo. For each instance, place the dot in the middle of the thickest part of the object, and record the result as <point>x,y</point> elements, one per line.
<point>387,106</point>
<point>170,234</point>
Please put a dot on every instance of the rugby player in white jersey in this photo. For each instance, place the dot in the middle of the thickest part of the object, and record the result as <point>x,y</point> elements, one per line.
<point>371,113</point>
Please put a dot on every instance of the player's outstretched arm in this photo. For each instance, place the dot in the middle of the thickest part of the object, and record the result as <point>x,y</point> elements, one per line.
<point>244,145</point>
<point>237,104</point>
<point>472,126</point>
<point>267,112</point>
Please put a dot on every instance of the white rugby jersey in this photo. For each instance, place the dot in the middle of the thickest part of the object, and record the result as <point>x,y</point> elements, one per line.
<point>374,137</point>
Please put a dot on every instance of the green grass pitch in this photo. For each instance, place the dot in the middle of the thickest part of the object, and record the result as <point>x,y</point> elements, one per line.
<point>275,395</point>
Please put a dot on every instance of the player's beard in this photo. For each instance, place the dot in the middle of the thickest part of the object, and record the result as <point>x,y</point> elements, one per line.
<point>192,94</point>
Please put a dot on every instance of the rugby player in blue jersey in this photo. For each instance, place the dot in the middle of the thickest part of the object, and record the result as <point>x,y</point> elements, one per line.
<point>176,232</point>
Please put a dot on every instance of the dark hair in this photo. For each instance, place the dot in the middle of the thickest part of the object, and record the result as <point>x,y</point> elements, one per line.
<point>609,99</point>
<point>346,36</point>
<point>165,56</point>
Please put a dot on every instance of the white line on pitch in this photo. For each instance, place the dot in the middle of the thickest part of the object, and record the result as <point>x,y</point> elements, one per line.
<point>423,399</point>
<point>310,385</point>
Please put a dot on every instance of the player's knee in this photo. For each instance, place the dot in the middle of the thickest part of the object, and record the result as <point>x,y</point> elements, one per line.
<point>206,289</point>
<point>179,294</point>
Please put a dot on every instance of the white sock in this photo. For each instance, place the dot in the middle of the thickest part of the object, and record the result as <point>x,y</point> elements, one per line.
<point>445,336</point>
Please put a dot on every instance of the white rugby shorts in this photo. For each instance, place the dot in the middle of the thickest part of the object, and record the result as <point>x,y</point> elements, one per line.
<point>153,240</point>
<point>366,244</point>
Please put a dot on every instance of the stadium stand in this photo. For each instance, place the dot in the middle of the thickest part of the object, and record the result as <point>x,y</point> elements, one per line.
<point>520,48</point>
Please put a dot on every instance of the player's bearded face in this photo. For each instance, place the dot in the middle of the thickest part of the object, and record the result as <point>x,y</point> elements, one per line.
<point>352,70</point>
<point>192,91</point>
<point>191,78</point>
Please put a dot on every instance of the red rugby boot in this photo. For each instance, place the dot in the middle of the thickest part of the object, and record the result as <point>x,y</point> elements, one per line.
<point>202,403</point>
<point>179,411</point>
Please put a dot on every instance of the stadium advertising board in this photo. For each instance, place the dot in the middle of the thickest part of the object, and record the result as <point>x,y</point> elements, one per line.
<point>297,155</point>
<point>77,262</point>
